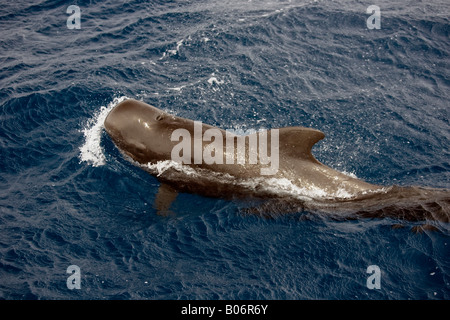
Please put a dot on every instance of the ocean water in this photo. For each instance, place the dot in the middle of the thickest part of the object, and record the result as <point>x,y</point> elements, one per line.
<point>68,196</point>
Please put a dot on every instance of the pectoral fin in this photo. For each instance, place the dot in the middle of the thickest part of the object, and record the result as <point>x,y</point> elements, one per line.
<point>164,198</point>
<point>423,228</point>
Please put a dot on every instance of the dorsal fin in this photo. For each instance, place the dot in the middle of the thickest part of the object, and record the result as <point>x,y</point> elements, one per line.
<point>298,141</point>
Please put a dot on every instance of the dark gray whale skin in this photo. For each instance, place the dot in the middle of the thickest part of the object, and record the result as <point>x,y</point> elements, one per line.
<point>143,133</point>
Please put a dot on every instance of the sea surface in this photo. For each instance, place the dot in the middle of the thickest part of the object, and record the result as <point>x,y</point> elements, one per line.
<point>69,198</point>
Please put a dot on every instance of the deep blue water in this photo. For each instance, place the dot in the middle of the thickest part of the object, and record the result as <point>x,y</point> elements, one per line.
<point>68,197</point>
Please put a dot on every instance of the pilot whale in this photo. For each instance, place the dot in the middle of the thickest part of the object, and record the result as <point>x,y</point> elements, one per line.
<point>147,135</point>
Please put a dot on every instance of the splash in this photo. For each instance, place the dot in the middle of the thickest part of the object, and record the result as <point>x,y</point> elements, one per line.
<point>161,166</point>
<point>91,151</point>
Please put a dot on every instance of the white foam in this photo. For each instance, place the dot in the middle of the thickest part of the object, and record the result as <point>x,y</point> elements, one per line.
<point>91,150</point>
<point>283,186</point>
<point>213,80</point>
<point>177,88</point>
<point>276,186</point>
<point>350,174</point>
<point>161,166</point>
<point>172,52</point>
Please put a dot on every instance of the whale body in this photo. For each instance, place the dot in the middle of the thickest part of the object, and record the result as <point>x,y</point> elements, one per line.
<point>145,134</point>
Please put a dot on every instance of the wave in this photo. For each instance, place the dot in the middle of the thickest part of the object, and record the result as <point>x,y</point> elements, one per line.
<point>195,178</point>
<point>91,151</point>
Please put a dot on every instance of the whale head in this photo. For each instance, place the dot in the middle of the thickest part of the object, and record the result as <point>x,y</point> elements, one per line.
<point>141,131</point>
